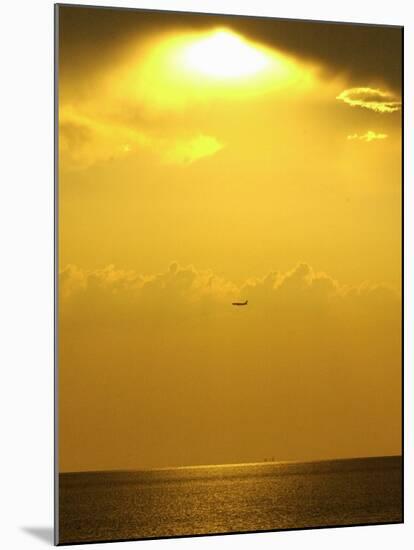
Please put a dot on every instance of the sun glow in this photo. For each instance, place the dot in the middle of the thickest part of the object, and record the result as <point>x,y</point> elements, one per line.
<point>175,69</point>
<point>223,54</point>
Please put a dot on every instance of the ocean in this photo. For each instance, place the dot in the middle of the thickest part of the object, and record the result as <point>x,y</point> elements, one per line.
<point>122,505</point>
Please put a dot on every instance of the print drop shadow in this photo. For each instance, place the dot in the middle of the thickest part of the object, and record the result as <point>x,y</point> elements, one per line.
<point>44,534</point>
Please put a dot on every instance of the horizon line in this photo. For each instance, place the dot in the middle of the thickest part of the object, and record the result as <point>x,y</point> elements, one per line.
<point>227,464</point>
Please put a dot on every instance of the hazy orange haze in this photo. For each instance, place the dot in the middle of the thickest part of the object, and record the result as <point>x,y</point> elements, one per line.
<point>206,160</point>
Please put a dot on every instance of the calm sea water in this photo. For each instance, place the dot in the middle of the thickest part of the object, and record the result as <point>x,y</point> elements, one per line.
<point>222,499</point>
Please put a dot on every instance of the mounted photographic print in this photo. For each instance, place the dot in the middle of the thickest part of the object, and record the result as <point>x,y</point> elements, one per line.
<point>229,266</point>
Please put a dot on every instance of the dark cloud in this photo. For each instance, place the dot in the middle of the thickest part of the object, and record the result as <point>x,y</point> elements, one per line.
<point>369,52</point>
<point>94,37</point>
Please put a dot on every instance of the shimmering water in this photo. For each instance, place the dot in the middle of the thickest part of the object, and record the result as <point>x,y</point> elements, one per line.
<point>103,506</point>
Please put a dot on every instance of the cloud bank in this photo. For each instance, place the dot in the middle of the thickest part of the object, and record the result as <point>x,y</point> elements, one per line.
<point>187,293</point>
<point>161,369</point>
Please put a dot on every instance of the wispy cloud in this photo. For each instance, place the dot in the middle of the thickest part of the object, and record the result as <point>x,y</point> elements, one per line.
<point>188,151</point>
<point>371,98</point>
<point>86,140</point>
<point>368,136</point>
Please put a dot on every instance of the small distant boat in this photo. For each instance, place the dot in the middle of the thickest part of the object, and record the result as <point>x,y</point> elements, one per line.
<point>240,303</point>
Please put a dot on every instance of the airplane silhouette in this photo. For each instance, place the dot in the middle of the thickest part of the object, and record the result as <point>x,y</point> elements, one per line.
<point>240,303</point>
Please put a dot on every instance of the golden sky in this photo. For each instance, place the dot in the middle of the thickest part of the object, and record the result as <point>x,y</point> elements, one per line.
<point>207,159</point>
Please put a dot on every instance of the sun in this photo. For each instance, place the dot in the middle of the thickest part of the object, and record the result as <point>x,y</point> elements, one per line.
<point>223,54</point>
<point>174,69</point>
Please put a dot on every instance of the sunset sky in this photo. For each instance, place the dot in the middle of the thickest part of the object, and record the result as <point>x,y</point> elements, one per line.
<point>208,159</point>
